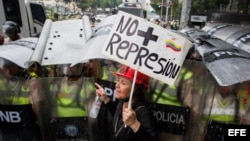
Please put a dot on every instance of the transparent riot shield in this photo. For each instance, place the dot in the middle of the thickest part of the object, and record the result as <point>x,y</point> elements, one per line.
<point>192,96</point>
<point>243,95</point>
<point>221,108</point>
<point>174,105</point>
<point>66,108</point>
<point>20,108</point>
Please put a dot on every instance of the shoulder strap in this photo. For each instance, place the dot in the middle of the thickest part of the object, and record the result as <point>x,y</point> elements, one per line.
<point>139,108</point>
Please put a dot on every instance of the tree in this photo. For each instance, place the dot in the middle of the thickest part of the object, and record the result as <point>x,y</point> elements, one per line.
<point>67,1</point>
<point>203,6</point>
<point>84,4</point>
<point>244,6</point>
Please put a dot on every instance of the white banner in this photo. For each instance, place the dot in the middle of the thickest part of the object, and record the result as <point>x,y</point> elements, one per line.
<point>145,46</point>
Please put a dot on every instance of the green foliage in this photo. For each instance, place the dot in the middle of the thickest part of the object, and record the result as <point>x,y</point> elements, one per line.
<point>202,6</point>
<point>67,1</point>
<point>50,13</point>
<point>84,4</point>
<point>177,10</point>
<point>98,3</point>
<point>156,7</point>
<point>198,6</point>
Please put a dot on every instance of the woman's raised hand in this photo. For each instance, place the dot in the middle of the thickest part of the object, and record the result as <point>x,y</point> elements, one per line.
<point>101,93</point>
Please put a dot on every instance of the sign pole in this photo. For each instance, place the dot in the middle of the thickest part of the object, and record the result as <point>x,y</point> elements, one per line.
<point>167,7</point>
<point>131,92</point>
<point>132,89</point>
<point>161,9</point>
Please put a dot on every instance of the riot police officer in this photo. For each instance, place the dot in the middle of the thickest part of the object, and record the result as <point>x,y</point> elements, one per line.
<point>68,99</point>
<point>11,30</point>
<point>20,100</point>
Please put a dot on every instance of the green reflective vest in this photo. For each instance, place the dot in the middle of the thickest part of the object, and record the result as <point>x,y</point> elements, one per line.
<point>167,94</point>
<point>221,110</point>
<point>71,100</point>
<point>15,94</point>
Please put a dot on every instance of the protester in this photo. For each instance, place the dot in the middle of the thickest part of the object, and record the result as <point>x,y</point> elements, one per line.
<point>135,123</point>
<point>106,78</point>
<point>11,30</point>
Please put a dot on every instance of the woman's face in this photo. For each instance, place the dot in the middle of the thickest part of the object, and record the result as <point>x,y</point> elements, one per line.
<point>122,88</point>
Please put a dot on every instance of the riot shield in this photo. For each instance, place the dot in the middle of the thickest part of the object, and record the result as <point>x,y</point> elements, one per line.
<point>193,98</point>
<point>67,105</point>
<point>20,108</point>
<point>174,105</point>
<point>221,108</point>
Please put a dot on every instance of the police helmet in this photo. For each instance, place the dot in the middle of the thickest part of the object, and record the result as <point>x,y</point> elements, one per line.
<point>10,28</point>
<point>5,63</point>
<point>74,71</point>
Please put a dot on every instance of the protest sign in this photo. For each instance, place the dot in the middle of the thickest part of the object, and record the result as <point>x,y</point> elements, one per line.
<point>146,47</point>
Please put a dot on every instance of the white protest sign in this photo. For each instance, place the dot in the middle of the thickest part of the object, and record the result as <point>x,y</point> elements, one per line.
<point>145,46</point>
